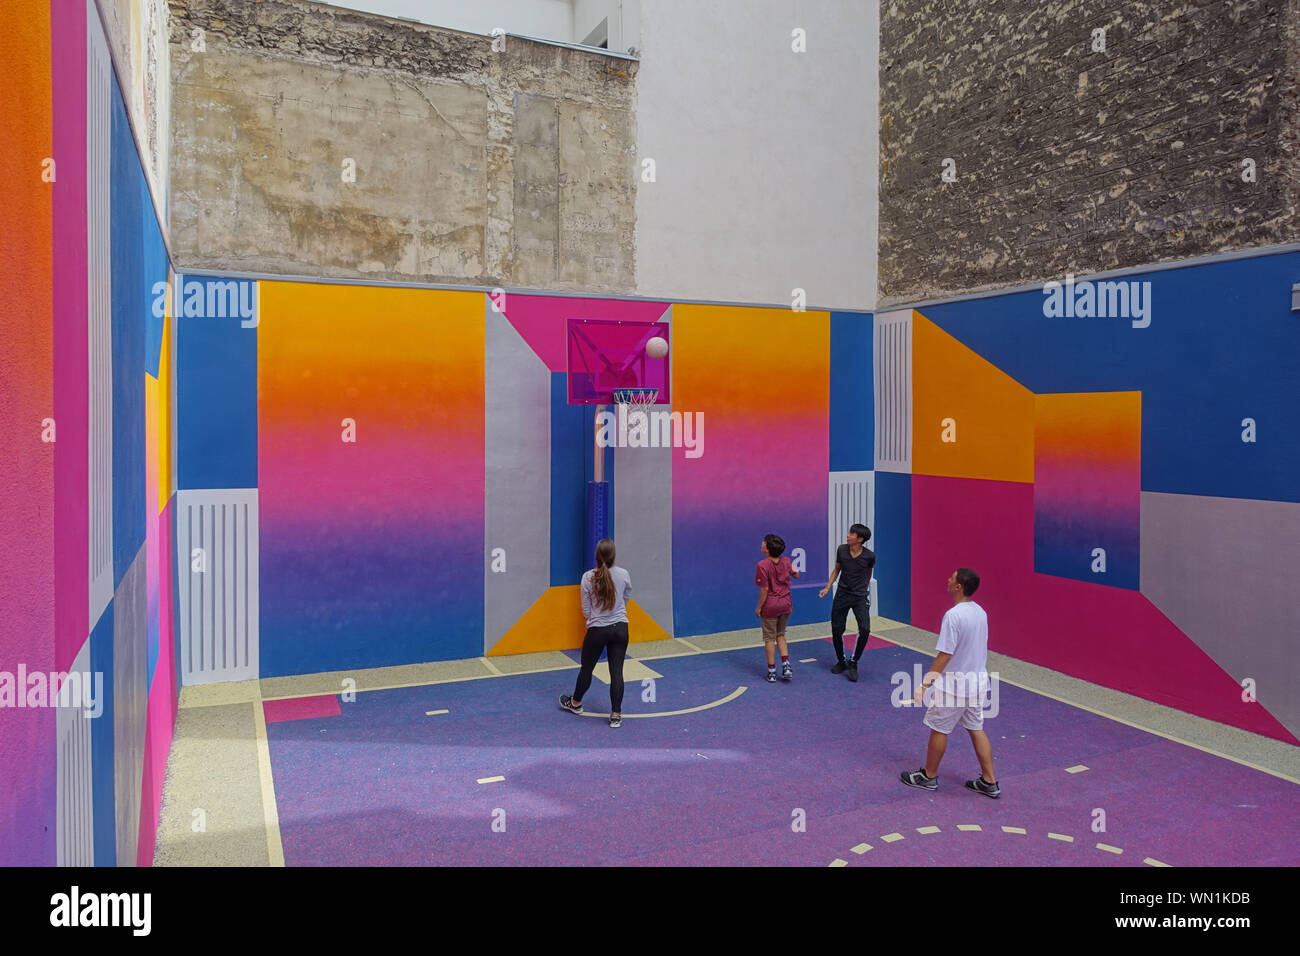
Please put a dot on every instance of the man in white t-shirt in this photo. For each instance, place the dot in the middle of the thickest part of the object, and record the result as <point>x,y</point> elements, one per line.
<point>957,682</point>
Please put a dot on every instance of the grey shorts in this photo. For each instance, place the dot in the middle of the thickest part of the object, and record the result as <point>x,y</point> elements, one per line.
<point>945,719</point>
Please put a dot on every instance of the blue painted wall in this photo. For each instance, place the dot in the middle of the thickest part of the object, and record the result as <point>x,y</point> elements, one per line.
<point>216,392</point>
<point>102,768</point>
<point>891,539</point>
<point>131,304</point>
<point>1222,346</point>
<point>853,403</point>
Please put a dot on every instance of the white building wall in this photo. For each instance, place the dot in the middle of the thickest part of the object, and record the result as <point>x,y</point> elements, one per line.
<point>766,160</point>
<point>544,19</point>
<point>623,17</point>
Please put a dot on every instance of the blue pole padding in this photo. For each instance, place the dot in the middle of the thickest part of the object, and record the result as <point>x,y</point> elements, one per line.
<point>597,519</point>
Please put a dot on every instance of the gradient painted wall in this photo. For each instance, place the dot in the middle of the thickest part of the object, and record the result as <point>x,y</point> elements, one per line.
<point>371,549</point>
<point>760,378</point>
<point>1168,445</point>
<point>1088,486</point>
<point>27,491</point>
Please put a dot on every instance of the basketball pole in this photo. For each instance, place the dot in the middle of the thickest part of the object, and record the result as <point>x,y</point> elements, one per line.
<point>598,496</point>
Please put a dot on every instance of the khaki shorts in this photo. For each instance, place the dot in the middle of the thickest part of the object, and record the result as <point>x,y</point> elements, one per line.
<point>774,627</point>
<point>945,719</point>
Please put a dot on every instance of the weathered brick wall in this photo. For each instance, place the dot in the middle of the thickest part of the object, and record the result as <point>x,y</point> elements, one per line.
<point>473,166</point>
<point>1071,160</point>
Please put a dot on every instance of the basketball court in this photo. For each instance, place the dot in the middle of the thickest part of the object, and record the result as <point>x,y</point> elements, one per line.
<point>723,769</point>
<point>344,334</point>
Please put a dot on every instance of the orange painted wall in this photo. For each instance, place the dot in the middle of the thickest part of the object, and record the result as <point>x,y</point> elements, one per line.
<point>993,414</point>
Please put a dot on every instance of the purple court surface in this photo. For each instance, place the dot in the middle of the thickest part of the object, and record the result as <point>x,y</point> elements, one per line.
<point>804,773</point>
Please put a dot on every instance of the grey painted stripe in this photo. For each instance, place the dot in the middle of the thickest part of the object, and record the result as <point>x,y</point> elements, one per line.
<point>1238,609</point>
<point>517,476</point>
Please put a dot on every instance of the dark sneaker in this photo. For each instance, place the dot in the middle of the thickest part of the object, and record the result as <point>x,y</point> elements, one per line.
<point>839,668</point>
<point>616,720</point>
<point>917,778</point>
<point>853,671</point>
<point>566,703</point>
<point>988,789</point>
<point>787,672</point>
<point>771,677</point>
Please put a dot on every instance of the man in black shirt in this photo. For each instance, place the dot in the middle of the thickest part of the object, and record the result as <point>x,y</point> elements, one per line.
<point>854,563</point>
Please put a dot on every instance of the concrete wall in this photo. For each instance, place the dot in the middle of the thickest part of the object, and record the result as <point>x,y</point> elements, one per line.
<point>1070,159</point>
<point>472,166</point>
<point>765,158</point>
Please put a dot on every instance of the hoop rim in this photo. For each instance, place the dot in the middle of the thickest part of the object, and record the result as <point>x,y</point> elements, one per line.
<point>635,396</point>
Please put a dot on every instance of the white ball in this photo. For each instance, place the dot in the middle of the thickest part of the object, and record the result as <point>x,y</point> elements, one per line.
<point>656,348</point>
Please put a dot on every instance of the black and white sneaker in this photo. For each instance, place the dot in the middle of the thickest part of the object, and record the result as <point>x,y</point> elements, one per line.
<point>988,789</point>
<point>616,720</point>
<point>787,672</point>
<point>566,703</point>
<point>771,676</point>
<point>917,778</point>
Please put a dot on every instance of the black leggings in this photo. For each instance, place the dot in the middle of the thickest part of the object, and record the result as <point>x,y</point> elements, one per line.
<point>861,607</point>
<point>613,639</point>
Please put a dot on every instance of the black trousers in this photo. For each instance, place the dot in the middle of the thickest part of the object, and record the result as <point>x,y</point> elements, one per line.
<point>612,639</point>
<point>861,607</point>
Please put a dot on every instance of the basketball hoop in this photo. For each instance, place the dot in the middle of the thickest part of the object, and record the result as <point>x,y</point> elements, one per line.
<point>637,397</point>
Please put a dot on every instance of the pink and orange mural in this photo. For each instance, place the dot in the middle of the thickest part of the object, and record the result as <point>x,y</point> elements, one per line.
<point>91,376</point>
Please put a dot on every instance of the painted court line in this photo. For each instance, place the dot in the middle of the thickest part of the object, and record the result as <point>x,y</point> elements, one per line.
<point>1065,838</point>
<point>1079,769</point>
<point>839,862</point>
<point>490,779</point>
<point>633,670</point>
<point>434,713</point>
<point>429,683</point>
<point>807,660</point>
<point>270,814</point>
<point>495,672</point>
<point>1158,733</point>
<point>677,713</point>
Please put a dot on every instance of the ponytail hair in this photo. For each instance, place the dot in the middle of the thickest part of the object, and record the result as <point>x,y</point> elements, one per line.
<point>602,583</point>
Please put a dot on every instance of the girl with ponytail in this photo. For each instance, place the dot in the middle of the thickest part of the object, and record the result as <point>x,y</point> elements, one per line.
<point>605,590</point>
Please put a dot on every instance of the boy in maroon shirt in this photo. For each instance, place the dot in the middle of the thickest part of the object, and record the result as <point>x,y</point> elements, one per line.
<point>773,576</point>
